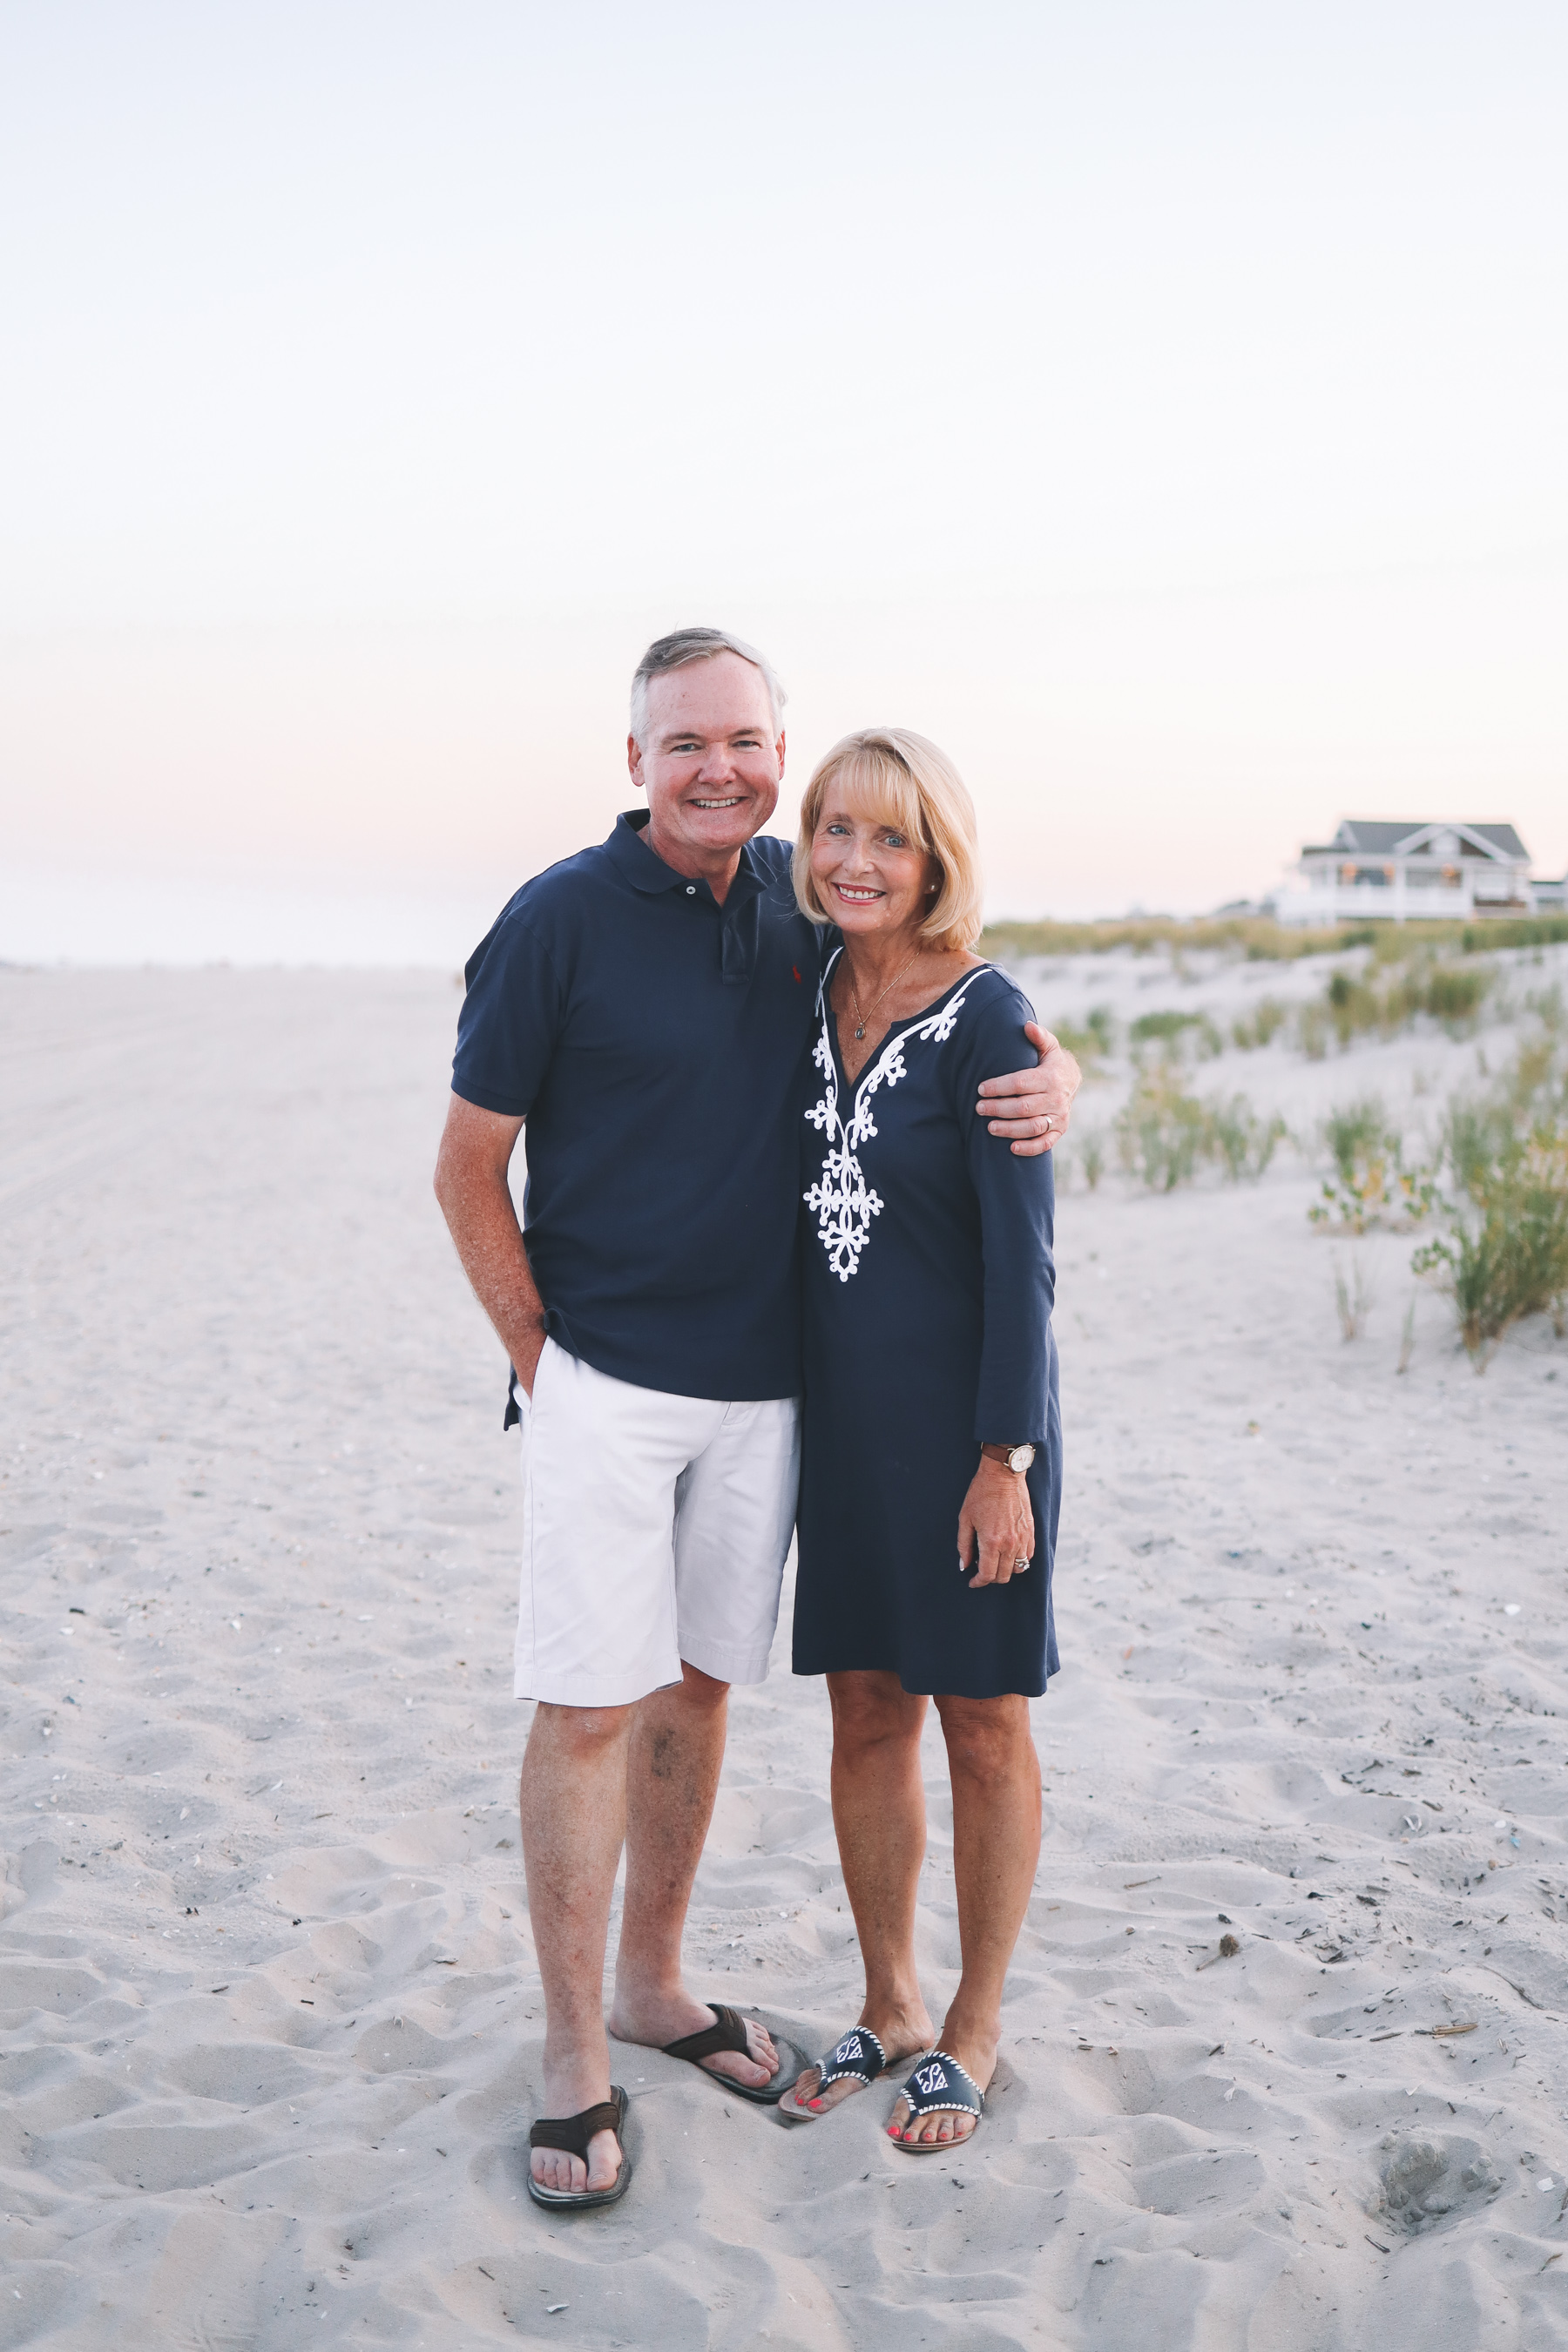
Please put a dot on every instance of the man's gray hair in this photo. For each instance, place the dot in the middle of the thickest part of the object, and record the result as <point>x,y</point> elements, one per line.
<point>684,646</point>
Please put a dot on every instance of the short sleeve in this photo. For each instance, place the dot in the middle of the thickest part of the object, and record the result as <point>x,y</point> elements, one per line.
<point>511,1021</point>
<point>1016,1198</point>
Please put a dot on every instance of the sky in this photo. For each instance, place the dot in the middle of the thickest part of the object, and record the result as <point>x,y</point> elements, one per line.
<point>1160,405</point>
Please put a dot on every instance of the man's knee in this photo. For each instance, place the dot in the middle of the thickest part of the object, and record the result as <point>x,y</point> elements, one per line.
<point>583,1732</point>
<point>695,1691</point>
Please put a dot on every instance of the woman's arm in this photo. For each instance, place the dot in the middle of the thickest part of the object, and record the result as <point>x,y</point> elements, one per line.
<point>1015,1198</point>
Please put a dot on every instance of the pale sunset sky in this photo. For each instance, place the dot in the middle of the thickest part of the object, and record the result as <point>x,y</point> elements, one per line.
<point>1160,404</point>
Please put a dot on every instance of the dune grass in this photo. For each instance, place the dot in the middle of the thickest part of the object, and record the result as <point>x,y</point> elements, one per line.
<point>1259,1027</point>
<point>1352,1299</point>
<point>1256,936</point>
<point>1261,939</point>
<point>1502,1251</point>
<point>1387,999</point>
<point>1371,1184</point>
<point>1172,1030</point>
<point>1163,1134</point>
<point>1093,1040</point>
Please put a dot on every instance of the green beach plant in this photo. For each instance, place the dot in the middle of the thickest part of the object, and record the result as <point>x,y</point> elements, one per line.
<point>1172,1030</point>
<point>1352,1299</point>
<point>1093,1040</point>
<point>1240,1140</point>
<point>1371,1184</point>
<point>1260,938</point>
<point>1314,1030</point>
<point>1259,1028</point>
<point>1160,1131</point>
<point>1502,1252</point>
<point>1256,936</point>
<point>1163,1134</point>
<point>1388,998</point>
<point>1549,1007</point>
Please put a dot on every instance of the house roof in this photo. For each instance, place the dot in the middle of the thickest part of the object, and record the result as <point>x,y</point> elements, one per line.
<point>1380,837</point>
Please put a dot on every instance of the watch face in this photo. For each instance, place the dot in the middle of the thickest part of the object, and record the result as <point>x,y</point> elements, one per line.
<point>1021,1457</point>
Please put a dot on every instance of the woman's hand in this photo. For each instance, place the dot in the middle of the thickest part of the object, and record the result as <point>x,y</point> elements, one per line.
<point>997,1518</point>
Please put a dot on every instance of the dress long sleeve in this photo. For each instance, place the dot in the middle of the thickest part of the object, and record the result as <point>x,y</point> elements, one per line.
<point>1016,1201</point>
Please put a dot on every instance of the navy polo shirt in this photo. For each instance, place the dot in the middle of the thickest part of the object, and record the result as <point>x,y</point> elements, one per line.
<point>653,1040</point>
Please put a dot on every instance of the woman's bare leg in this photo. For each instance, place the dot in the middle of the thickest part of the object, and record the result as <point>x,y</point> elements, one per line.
<point>878,1811</point>
<point>996,1849</point>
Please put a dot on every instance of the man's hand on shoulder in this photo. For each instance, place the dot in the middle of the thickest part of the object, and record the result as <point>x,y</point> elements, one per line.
<point>1033,1107</point>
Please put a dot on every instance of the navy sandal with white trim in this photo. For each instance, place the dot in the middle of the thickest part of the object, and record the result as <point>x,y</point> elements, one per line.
<point>858,2058</point>
<point>938,2086</point>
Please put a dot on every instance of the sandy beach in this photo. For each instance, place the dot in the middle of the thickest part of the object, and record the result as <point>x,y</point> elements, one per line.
<point>269,2026</point>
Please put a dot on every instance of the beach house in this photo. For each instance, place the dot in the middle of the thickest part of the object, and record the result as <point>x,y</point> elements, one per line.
<point>1403,871</point>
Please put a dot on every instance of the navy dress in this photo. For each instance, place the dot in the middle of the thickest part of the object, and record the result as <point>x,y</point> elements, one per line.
<point>929,1283</point>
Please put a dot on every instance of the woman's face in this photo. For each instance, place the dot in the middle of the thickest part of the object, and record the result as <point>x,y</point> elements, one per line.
<point>869,877</point>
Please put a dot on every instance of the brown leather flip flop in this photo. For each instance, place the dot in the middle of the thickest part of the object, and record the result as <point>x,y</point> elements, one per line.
<point>730,2033</point>
<point>569,2136</point>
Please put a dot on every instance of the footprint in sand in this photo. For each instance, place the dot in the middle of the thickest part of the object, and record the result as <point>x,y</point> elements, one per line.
<point>1427,2186</point>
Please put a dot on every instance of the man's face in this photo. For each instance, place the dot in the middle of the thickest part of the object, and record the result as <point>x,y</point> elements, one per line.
<point>712,764</point>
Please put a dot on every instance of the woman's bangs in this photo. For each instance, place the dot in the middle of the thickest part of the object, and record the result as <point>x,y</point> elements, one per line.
<point>880,791</point>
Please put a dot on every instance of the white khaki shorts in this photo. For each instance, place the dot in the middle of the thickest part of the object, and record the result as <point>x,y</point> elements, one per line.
<point>655,1528</point>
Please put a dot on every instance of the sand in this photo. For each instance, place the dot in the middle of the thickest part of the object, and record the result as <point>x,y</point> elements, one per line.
<point>269,2028</point>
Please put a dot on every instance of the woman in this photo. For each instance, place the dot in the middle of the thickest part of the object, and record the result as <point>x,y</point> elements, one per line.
<point>931,1442</point>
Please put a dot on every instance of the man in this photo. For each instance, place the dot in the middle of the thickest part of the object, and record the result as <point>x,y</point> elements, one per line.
<point>644,1005</point>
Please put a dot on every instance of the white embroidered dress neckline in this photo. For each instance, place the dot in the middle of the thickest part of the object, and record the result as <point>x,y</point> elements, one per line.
<point>842,1202</point>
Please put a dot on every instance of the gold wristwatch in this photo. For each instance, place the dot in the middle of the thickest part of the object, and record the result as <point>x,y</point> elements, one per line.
<point>1011,1458</point>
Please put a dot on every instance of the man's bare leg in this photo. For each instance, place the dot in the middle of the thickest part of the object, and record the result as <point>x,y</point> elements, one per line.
<point>676,1748</point>
<point>572,1806</point>
<point>880,1814</point>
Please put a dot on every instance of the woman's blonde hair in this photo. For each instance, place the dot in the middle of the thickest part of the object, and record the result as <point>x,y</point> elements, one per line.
<point>904,782</point>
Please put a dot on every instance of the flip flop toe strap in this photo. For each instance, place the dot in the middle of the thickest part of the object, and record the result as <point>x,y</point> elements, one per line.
<point>859,2058</point>
<point>940,2085</point>
<point>570,2135</point>
<point>729,2033</point>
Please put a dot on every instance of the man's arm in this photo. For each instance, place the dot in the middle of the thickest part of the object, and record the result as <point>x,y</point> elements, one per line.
<point>1035,1105</point>
<point>476,1201</point>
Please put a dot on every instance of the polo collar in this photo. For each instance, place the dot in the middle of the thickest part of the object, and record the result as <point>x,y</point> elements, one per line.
<point>645,870</point>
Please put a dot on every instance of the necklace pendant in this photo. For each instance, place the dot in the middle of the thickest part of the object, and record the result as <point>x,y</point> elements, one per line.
<point>861,1031</point>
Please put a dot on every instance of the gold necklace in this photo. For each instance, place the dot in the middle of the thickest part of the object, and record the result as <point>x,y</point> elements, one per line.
<point>863,1017</point>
